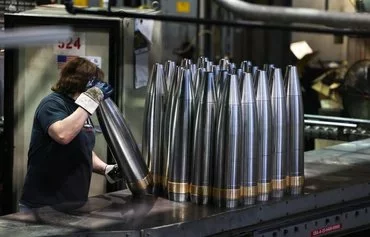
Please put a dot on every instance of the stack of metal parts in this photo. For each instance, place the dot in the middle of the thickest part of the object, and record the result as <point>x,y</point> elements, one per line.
<point>224,135</point>
<point>336,128</point>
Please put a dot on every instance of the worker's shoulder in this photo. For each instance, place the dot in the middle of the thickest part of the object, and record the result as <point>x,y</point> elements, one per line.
<point>54,99</point>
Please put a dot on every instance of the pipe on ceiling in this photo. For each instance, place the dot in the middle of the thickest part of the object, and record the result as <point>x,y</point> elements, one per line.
<point>278,14</point>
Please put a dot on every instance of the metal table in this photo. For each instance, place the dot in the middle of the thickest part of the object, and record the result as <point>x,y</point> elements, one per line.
<point>335,200</point>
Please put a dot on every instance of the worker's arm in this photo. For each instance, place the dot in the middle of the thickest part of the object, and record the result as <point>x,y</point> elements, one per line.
<point>64,131</point>
<point>111,172</point>
<point>98,165</point>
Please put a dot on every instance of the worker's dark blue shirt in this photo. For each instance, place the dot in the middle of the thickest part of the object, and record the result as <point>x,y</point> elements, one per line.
<point>57,174</point>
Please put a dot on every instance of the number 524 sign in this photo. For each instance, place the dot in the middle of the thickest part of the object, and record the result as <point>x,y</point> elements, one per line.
<point>75,45</point>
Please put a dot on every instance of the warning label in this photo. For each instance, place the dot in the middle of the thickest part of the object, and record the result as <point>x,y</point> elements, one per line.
<point>326,230</point>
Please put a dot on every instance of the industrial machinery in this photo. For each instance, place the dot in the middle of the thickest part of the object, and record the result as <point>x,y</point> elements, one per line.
<point>334,199</point>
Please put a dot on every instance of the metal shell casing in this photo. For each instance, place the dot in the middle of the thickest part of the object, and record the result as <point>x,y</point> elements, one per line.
<point>203,146</point>
<point>249,145</point>
<point>153,129</point>
<point>169,72</point>
<point>279,125</point>
<point>198,80</point>
<point>168,126</point>
<point>223,63</point>
<point>124,149</point>
<point>296,133</point>
<point>287,160</point>
<point>263,101</point>
<point>220,84</point>
<point>226,186</point>
<point>181,140</point>
<point>201,62</point>
<point>246,66</point>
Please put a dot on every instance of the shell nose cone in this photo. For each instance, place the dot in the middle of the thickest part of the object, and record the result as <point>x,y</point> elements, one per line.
<point>246,66</point>
<point>169,71</point>
<point>208,89</point>
<point>223,63</point>
<point>185,89</point>
<point>278,89</point>
<point>157,79</point>
<point>231,90</point>
<point>247,88</point>
<point>294,85</point>
<point>201,62</point>
<point>263,86</point>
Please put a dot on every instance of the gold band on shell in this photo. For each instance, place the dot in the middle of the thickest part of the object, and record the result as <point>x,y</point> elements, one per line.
<point>174,187</point>
<point>278,184</point>
<point>248,191</point>
<point>296,181</point>
<point>226,193</point>
<point>200,190</point>
<point>143,183</point>
<point>264,188</point>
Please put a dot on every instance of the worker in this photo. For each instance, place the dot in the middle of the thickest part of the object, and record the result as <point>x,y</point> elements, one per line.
<point>60,156</point>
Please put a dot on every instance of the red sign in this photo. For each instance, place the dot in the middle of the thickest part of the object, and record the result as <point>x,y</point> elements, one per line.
<point>70,44</point>
<point>326,230</point>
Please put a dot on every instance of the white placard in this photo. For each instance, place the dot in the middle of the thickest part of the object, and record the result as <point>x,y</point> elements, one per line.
<point>75,45</point>
<point>141,70</point>
<point>146,28</point>
<point>94,60</point>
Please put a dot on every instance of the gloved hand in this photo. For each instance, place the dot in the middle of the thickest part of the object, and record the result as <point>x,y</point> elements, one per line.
<point>91,98</point>
<point>112,173</point>
<point>103,86</point>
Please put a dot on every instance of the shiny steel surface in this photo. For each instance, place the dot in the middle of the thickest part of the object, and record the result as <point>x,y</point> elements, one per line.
<point>209,65</point>
<point>246,66</point>
<point>201,62</point>
<point>198,80</point>
<point>123,147</point>
<point>286,76</point>
<point>220,83</point>
<point>279,125</point>
<point>169,72</point>
<point>269,68</point>
<point>181,138</point>
<point>249,145</point>
<point>264,110</point>
<point>231,68</point>
<point>296,128</point>
<point>333,174</point>
<point>239,74</point>
<point>255,78</point>
<point>203,146</point>
<point>216,71</point>
<point>153,129</point>
<point>223,63</point>
<point>185,63</point>
<point>228,146</point>
<point>287,160</point>
<point>168,126</point>
<point>193,70</point>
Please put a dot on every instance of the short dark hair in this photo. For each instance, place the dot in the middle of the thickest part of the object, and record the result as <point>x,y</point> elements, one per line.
<point>75,74</point>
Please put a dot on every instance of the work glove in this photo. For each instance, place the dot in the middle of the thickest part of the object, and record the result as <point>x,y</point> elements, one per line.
<point>91,98</point>
<point>103,86</point>
<point>112,173</point>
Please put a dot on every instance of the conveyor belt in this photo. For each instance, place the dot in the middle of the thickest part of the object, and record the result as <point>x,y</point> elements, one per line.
<point>337,176</point>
